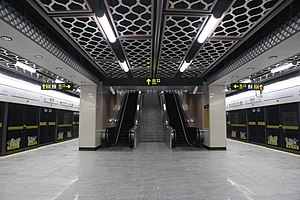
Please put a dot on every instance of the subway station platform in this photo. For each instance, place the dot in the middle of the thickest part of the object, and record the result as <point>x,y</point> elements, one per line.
<point>61,172</point>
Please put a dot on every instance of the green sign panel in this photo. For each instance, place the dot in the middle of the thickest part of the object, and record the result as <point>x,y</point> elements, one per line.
<point>57,86</point>
<point>246,86</point>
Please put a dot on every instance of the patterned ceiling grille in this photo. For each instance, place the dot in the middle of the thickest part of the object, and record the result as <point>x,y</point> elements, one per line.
<point>131,17</point>
<point>112,69</point>
<point>141,73</point>
<point>167,68</point>
<point>9,57</point>
<point>192,73</point>
<point>85,32</point>
<point>243,15</point>
<point>58,6</point>
<point>138,52</point>
<point>205,5</point>
<point>8,60</point>
<point>209,53</point>
<point>178,36</point>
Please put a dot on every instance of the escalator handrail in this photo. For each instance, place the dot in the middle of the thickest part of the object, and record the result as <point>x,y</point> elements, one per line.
<point>121,120</point>
<point>167,124</point>
<point>133,132</point>
<point>189,129</point>
<point>181,120</point>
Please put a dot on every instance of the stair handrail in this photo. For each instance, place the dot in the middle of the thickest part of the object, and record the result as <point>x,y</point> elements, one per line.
<point>171,133</point>
<point>181,120</point>
<point>121,121</point>
<point>134,132</point>
<point>191,131</point>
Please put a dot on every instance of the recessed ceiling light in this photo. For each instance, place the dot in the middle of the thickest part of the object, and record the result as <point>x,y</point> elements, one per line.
<point>235,76</point>
<point>6,38</point>
<point>273,57</point>
<point>58,68</point>
<point>250,68</point>
<point>72,76</point>
<point>38,56</point>
<point>83,82</point>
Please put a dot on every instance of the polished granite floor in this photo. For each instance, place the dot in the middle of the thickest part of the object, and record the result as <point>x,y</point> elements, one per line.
<point>61,172</point>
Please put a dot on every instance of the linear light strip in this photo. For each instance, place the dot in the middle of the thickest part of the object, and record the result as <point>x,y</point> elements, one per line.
<point>107,28</point>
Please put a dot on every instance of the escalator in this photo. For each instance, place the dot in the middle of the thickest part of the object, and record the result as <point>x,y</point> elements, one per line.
<point>185,135</point>
<point>128,119</point>
<point>175,120</point>
<point>119,134</point>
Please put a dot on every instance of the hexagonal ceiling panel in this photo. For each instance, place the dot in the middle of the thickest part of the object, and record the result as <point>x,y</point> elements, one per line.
<point>156,38</point>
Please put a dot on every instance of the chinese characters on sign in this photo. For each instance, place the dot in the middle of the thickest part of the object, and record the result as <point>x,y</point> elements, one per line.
<point>153,81</point>
<point>247,86</point>
<point>57,86</point>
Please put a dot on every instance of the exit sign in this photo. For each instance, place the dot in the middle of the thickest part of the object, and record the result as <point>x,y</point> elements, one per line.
<point>57,86</point>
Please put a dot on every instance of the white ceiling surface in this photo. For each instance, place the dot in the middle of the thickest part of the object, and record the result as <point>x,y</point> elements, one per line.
<point>25,47</point>
<point>286,49</point>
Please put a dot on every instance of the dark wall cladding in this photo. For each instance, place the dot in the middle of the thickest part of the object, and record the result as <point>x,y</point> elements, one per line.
<point>24,127</point>
<point>275,126</point>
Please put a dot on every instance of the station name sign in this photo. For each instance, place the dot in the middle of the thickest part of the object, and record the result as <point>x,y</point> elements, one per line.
<point>57,86</point>
<point>246,86</point>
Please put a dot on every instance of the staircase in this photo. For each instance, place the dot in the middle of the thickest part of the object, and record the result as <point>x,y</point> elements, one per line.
<point>151,120</point>
<point>128,119</point>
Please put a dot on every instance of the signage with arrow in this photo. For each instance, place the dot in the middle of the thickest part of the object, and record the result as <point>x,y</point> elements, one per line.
<point>57,86</point>
<point>246,86</point>
<point>153,81</point>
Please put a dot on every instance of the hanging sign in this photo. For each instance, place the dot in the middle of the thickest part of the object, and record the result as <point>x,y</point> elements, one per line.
<point>246,86</point>
<point>57,86</point>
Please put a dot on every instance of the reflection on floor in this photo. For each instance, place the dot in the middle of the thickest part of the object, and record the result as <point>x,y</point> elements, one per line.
<point>61,172</point>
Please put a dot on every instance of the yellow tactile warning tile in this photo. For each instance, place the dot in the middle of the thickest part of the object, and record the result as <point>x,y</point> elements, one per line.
<point>288,153</point>
<point>43,147</point>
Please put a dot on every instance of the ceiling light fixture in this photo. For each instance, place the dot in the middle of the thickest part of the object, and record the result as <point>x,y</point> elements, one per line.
<point>124,66</point>
<point>38,56</point>
<point>72,76</point>
<point>184,66</point>
<point>25,67</point>
<point>282,67</point>
<point>212,22</point>
<point>112,90</point>
<point>58,81</point>
<point>272,57</point>
<point>83,82</point>
<point>195,90</point>
<point>58,68</point>
<point>6,38</point>
<point>250,68</point>
<point>246,81</point>
<point>107,28</point>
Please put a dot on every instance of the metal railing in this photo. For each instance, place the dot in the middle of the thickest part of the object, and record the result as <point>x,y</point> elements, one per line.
<point>134,132</point>
<point>170,133</point>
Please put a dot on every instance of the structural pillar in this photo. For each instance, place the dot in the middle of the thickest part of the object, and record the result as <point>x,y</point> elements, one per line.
<point>215,138</point>
<point>90,118</point>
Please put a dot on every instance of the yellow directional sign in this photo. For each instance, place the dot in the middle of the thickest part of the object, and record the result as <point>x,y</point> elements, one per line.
<point>153,81</point>
<point>57,86</point>
<point>247,86</point>
<point>148,81</point>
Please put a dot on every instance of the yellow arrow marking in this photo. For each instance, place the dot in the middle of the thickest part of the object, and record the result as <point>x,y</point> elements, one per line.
<point>235,86</point>
<point>148,81</point>
<point>68,86</point>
